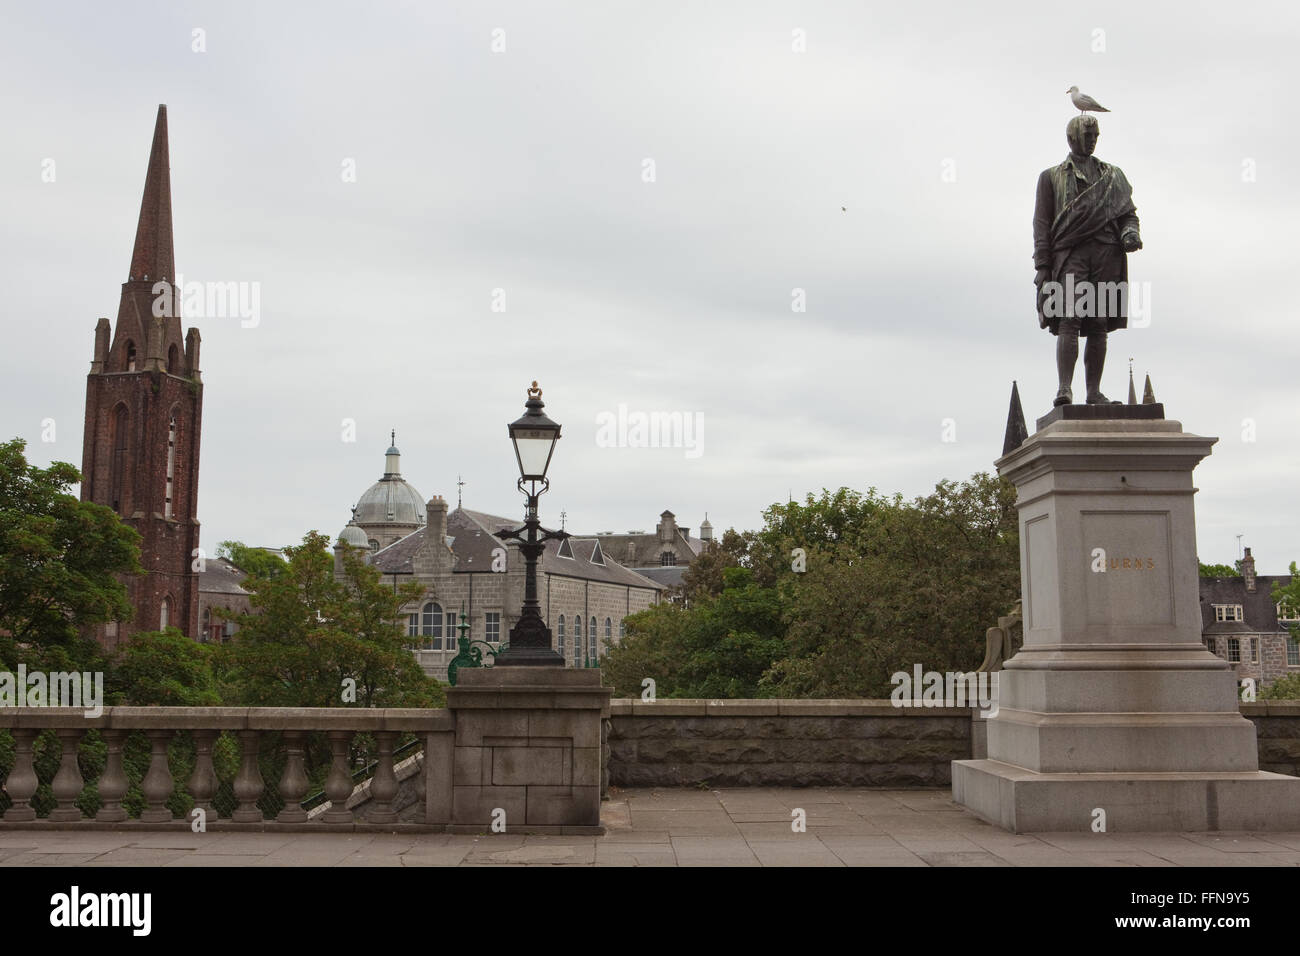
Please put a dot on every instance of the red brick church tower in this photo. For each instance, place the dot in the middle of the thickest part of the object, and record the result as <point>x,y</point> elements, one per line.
<point>144,404</point>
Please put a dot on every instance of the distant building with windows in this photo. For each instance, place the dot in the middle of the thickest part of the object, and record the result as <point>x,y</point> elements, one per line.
<point>221,587</point>
<point>663,556</point>
<point>585,594</point>
<point>1242,623</point>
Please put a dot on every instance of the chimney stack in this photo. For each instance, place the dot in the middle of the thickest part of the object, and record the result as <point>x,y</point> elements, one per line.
<point>436,511</point>
<point>1248,571</point>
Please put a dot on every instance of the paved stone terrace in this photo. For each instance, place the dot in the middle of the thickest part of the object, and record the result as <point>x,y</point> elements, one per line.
<point>748,827</point>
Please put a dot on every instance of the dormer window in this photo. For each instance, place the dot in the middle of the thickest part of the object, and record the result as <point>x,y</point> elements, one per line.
<point>1227,612</point>
<point>668,559</point>
<point>1286,612</point>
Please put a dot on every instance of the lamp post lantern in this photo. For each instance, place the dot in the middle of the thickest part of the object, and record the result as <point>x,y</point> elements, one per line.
<point>534,437</point>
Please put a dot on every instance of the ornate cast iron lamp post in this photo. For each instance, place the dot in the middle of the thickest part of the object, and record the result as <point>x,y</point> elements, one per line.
<point>534,437</point>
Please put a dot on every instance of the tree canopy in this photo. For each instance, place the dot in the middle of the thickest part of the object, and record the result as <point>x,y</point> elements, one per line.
<point>60,562</point>
<point>833,595</point>
<point>312,638</point>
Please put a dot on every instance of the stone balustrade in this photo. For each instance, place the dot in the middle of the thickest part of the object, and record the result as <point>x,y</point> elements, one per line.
<point>161,725</point>
<point>508,743</point>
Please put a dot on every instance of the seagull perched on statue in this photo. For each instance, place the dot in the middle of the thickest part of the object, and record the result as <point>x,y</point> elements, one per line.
<point>1084,102</point>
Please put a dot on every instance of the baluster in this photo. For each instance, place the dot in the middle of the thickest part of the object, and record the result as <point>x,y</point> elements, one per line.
<point>68,781</point>
<point>203,781</point>
<point>112,782</point>
<point>249,784</point>
<point>383,786</point>
<point>22,782</point>
<point>293,782</point>
<point>338,785</point>
<point>157,784</point>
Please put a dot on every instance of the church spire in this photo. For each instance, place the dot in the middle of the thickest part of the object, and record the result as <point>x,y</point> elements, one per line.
<point>153,256</point>
<point>1016,432</point>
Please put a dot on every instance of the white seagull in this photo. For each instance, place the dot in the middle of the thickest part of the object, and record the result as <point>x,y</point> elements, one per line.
<point>1084,102</point>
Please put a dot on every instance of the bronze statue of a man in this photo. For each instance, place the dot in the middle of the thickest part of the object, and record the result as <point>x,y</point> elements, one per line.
<point>1085,224</point>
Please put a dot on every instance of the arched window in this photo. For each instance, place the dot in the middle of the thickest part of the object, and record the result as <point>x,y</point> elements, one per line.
<point>577,640</point>
<point>374,545</point>
<point>171,466</point>
<point>206,627</point>
<point>559,636</point>
<point>130,356</point>
<point>173,360</point>
<point>164,618</point>
<point>591,641</point>
<point>117,468</point>
<point>609,631</point>
<point>431,625</point>
<point>622,630</point>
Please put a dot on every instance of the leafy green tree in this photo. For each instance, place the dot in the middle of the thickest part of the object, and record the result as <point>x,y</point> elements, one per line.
<point>1284,688</point>
<point>717,647</point>
<point>837,593</point>
<point>1219,570</point>
<point>259,562</point>
<point>703,576</point>
<point>164,669</point>
<point>60,562</point>
<point>904,583</point>
<point>310,637</point>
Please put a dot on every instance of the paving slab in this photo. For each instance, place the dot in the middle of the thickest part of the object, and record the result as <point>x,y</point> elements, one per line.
<point>688,827</point>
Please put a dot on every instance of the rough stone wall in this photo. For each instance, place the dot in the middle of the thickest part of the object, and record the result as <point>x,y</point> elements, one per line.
<point>1277,725</point>
<point>752,743</point>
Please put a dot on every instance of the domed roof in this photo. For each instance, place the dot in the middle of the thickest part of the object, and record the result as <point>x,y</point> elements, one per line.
<point>391,500</point>
<point>355,537</point>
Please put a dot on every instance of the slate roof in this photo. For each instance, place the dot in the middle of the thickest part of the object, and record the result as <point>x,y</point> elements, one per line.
<point>472,535</point>
<point>219,576</point>
<point>669,577</point>
<point>1259,610</point>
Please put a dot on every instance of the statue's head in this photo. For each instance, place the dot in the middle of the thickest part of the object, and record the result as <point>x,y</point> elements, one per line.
<point>1082,133</point>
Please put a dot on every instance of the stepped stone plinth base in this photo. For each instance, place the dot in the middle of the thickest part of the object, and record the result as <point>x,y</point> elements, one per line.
<point>1113,703</point>
<point>1023,801</point>
<point>527,752</point>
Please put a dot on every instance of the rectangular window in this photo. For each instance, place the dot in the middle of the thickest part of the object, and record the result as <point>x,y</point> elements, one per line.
<point>1292,652</point>
<point>1227,612</point>
<point>413,625</point>
<point>492,627</point>
<point>1234,649</point>
<point>1254,650</point>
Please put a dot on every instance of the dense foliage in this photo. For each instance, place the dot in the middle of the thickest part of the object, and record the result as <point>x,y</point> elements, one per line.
<point>832,596</point>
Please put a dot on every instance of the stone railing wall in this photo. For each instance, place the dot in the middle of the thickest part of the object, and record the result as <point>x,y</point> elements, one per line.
<point>248,724</point>
<point>787,743</point>
<point>516,741</point>
<point>861,743</point>
<point>1277,728</point>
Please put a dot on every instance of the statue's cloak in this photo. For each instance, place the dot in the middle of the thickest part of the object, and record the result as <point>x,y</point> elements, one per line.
<point>1068,212</point>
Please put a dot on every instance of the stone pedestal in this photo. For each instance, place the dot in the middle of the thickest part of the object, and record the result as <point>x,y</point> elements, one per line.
<point>1113,702</point>
<point>528,745</point>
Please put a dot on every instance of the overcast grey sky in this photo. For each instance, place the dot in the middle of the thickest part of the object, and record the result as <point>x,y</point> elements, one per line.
<point>523,170</point>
